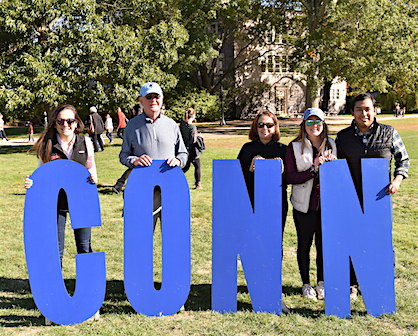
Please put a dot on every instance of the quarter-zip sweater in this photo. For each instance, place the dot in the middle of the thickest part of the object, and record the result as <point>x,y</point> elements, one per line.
<point>160,139</point>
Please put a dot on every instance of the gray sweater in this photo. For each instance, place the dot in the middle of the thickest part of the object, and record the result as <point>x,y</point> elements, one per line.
<point>160,140</point>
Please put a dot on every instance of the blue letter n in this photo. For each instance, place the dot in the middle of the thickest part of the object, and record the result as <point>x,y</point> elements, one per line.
<point>255,236</point>
<point>365,238</point>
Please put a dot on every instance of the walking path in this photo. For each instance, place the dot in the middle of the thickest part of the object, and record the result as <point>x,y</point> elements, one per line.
<point>236,125</point>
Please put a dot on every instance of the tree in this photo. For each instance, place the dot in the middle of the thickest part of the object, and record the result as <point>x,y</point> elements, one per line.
<point>81,52</point>
<point>371,44</point>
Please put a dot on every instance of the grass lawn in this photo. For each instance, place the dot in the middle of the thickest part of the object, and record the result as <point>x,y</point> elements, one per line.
<point>19,316</point>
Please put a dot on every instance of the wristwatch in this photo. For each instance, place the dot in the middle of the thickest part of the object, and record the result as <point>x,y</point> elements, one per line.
<point>313,171</point>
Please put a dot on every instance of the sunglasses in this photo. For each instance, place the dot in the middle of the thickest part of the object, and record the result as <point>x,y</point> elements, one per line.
<point>69,121</point>
<point>268,125</point>
<point>152,96</point>
<point>310,123</point>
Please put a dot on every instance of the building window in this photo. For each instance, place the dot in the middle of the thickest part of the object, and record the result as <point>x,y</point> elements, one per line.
<point>270,65</point>
<point>278,63</point>
<point>263,63</point>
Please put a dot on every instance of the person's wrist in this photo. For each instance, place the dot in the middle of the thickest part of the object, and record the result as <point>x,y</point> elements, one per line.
<point>313,170</point>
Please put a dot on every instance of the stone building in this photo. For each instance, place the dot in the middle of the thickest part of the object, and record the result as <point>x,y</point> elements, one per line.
<point>267,80</point>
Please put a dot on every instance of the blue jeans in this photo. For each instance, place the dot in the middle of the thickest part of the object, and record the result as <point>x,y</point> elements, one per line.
<point>82,236</point>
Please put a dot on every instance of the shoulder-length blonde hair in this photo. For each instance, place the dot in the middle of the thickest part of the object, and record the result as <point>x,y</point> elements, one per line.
<point>325,144</point>
<point>43,146</point>
<point>254,132</point>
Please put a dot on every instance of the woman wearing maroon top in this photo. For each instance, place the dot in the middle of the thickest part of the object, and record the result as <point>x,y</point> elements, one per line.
<point>305,154</point>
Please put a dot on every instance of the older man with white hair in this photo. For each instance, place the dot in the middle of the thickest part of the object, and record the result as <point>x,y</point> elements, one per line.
<point>152,136</point>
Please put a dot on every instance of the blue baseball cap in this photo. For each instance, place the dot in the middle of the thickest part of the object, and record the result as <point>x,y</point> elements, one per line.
<point>150,87</point>
<point>314,111</point>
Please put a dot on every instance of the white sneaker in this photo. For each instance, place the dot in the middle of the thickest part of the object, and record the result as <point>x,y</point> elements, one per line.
<point>320,290</point>
<point>308,292</point>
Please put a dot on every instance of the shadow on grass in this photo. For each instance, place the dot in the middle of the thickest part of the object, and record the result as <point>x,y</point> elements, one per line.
<point>16,149</point>
<point>15,295</point>
<point>105,189</point>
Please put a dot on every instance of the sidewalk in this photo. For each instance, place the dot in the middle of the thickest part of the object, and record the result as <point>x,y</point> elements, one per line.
<point>237,125</point>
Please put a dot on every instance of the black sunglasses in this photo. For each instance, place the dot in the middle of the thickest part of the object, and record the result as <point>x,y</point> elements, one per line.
<point>69,121</point>
<point>268,125</point>
<point>152,96</point>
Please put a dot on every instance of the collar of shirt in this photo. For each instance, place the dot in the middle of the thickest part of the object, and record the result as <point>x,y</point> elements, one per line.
<point>69,150</point>
<point>364,136</point>
<point>149,120</point>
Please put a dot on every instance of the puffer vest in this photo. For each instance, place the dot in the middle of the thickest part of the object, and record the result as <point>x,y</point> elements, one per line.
<point>352,148</point>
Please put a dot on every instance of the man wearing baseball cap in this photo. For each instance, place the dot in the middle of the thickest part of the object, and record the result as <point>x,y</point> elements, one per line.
<point>152,136</point>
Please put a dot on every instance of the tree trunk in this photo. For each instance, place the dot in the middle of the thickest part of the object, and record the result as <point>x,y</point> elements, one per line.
<point>312,93</point>
<point>326,96</point>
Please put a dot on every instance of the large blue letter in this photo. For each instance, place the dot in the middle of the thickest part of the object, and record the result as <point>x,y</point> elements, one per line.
<point>41,243</point>
<point>139,275</point>
<point>255,236</point>
<point>366,237</point>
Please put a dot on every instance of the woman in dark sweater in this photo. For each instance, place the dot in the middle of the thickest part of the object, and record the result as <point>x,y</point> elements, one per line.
<point>264,136</point>
<point>189,135</point>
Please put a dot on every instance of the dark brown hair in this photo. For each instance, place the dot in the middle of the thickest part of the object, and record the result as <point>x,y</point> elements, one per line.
<point>43,146</point>
<point>190,113</point>
<point>254,132</point>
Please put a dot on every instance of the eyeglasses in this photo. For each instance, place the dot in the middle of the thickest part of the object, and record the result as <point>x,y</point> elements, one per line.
<point>268,125</point>
<point>310,123</point>
<point>69,121</point>
<point>152,96</point>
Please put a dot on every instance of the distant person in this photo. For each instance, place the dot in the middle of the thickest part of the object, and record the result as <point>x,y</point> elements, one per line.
<point>152,136</point>
<point>397,110</point>
<point>109,128</point>
<point>96,128</point>
<point>2,132</point>
<point>366,138</point>
<point>189,135</point>
<point>122,120</point>
<point>311,148</point>
<point>120,183</point>
<point>30,132</point>
<point>403,111</point>
<point>137,109</point>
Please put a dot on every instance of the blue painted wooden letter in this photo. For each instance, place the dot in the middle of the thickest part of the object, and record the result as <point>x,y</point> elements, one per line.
<point>176,259</point>
<point>255,236</point>
<point>366,237</point>
<point>41,243</point>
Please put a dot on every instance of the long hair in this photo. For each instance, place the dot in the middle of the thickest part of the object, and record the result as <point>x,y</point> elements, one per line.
<point>325,144</point>
<point>43,146</point>
<point>253,130</point>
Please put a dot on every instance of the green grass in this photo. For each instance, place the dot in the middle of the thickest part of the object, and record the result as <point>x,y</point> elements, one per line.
<point>19,316</point>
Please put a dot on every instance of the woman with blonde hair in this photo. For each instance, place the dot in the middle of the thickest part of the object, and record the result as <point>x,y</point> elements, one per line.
<point>305,154</point>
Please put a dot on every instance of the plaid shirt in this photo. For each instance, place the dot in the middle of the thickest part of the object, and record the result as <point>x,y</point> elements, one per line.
<point>398,150</point>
